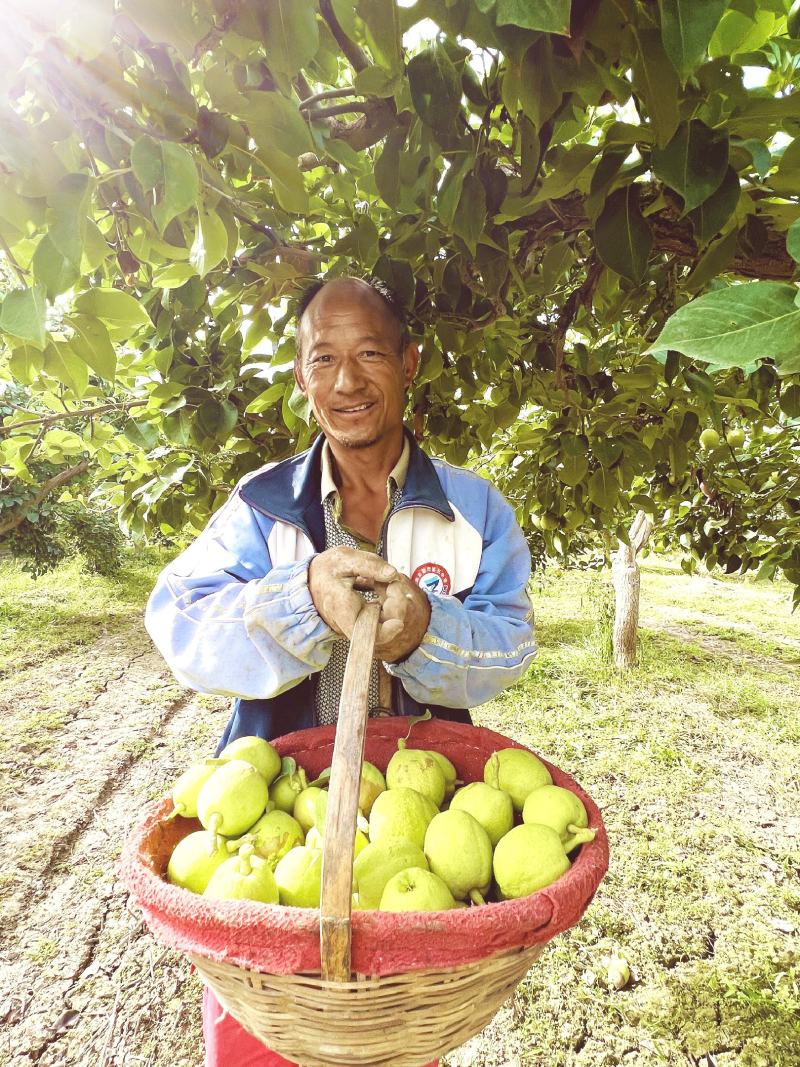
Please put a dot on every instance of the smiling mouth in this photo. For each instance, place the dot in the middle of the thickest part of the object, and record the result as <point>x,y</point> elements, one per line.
<point>355,410</point>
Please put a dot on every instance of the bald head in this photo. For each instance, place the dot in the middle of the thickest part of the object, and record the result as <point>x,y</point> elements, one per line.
<point>351,295</point>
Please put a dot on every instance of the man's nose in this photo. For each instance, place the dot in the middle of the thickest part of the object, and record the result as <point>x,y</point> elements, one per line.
<point>350,375</point>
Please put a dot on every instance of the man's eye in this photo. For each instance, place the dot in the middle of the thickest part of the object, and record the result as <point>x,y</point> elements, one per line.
<point>323,357</point>
<point>371,353</point>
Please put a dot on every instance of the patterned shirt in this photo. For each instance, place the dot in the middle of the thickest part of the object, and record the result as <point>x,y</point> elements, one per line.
<point>330,679</point>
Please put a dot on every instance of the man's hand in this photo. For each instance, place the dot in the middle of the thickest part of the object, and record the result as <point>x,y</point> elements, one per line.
<point>334,577</point>
<point>405,616</point>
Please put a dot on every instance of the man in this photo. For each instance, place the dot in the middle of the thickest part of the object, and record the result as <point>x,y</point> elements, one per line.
<point>260,606</point>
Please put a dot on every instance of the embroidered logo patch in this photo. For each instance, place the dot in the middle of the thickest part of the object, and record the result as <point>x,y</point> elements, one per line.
<point>433,578</point>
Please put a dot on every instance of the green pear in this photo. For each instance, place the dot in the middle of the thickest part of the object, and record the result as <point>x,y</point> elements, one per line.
<point>516,771</point>
<point>401,812</point>
<point>528,858</point>
<point>415,768</point>
<point>243,877</point>
<point>563,811</point>
<point>448,770</point>
<point>194,859</point>
<point>379,862</point>
<point>232,799</point>
<point>458,849</point>
<point>307,806</point>
<point>299,877</point>
<point>416,889</point>
<point>257,751</point>
<point>272,836</point>
<point>491,807</point>
<point>285,790</point>
<point>188,786</point>
<point>372,783</point>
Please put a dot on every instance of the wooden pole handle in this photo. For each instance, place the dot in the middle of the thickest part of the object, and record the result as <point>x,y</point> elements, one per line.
<point>340,821</point>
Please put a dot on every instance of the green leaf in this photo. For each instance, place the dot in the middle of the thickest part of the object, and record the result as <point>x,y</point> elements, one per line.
<point>275,122</point>
<point>210,242</point>
<point>122,314</point>
<point>714,260</point>
<point>61,363</point>
<point>694,163</point>
<point>268,399</point>
<point>686,29</point>
<point>382,22</point>
<point>787,178</point>
<point>22,315</point>
<point>574,459</point>
<point>622,235</point>
<point>563,177</point>
<point>435,87</point>
<point>375,81</point>
<point>738,32</point>
<point>173,275</point>
<point>53,270</point>
<point>709,218</point>
<point>387,167</point>
<point>92,343</point>
<point>213,130</point>
<point>216,418</point>
<point>181,184</point>
<point>399,275</point>
<point>287,182</point>
<point>470,216</point>
<point>147,162</point>
<point>96,249</point>
<point>450,190</point>
<point>291,35</point>
<point>551,16</point>
<point>658,84</point>
<point>700,384</point>
<point>530,151</point>
<point>531,83</point>
<point>734,326</point>
<point>603,489</point>
<point>793,241</point>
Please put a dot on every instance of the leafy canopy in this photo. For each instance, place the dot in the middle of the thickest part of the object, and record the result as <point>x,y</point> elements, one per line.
<point>589,208</point>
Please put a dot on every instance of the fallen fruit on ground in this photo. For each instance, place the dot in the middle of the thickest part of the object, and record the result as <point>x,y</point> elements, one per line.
<point>458,849</point>
<point>299,877</point>
<point>257,751</point>
<point>380,861</point>
<point>243,877</point>
<point>416,889</point>
<point>195,858</point>
<point>416,768</point>
<point>528,858</point>
<point>516,771</point>
<point>403,813</point>
<point>563,811</point>
<point>232,799</point>
<point>491,807</point>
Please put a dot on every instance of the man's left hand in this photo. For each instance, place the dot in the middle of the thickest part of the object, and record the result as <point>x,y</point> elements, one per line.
<point>405,616</point>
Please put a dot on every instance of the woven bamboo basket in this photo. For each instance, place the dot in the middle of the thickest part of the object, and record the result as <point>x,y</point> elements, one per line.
<point>370,989</point>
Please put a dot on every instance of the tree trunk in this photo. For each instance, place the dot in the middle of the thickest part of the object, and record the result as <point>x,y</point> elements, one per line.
<point>626,578</point>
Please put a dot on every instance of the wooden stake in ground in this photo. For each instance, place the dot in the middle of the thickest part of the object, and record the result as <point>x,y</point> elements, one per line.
<point>626,578</point>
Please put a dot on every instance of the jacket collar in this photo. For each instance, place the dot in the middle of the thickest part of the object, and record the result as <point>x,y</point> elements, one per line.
<point>290,491</point>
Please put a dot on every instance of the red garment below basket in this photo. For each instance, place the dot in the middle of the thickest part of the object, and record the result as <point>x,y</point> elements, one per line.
<point>229,1045</point>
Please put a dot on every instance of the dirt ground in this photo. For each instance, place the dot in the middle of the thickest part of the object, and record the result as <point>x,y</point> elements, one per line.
<point>89,734</point>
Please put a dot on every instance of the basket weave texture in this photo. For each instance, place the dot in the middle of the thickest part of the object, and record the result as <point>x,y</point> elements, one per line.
<point>286,941</point>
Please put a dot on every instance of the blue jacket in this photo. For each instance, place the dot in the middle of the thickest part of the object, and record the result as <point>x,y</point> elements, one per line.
<point>233,615</point>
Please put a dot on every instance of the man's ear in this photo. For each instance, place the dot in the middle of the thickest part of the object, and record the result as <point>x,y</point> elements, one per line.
<point>410,362</point>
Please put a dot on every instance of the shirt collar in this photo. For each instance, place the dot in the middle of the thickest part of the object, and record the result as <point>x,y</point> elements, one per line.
<point>397,475</point>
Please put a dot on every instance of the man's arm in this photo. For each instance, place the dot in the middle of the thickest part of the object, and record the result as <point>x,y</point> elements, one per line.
<point>229,622</point>
<point>473,650</point>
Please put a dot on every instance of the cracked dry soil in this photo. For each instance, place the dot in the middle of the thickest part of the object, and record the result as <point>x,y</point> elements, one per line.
<point>85,740</point>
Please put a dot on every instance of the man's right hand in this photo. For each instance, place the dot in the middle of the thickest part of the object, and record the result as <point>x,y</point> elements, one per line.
<point>334,577</point>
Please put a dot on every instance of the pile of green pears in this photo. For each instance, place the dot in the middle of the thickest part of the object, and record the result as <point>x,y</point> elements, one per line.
<point>424,841</point>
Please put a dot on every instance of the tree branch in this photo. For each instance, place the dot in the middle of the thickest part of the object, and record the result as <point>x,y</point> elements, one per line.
<point>355,56</point>
<point>339,109</point>
<point>15,520</point>
<point>327,94</point>
<point>59,416</point>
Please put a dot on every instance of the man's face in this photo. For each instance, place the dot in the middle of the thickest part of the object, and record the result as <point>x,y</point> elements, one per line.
<point>351,366</point>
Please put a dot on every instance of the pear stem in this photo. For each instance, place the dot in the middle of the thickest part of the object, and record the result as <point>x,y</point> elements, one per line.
<point>245,853</point>
<point>476,897</point>
<point>178,809</point>
<point>580,836</point>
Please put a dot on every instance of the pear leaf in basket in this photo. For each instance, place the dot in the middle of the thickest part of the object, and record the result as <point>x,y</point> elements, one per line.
<point>416,889</point>
<point>232,799</point>
<point>528,858</point>
<point>323,780</point>
<point>517,771</point>
<point>288,765</point>
<point>188,786</point>
<point>458,849</point>
<point>412,722</point>
<point>491,807</point>
<point>194,859</point>
<point>552,805</point>
<point>243,877</point>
